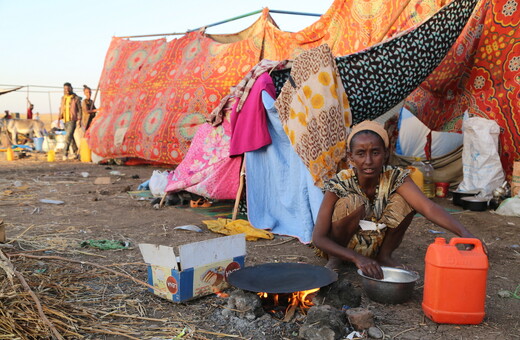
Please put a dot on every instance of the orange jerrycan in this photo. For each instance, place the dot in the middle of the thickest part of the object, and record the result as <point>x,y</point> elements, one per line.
<point>455,282</point>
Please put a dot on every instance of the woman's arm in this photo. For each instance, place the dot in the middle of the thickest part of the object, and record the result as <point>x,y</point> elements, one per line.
<point>429,209</point>
<point>322,237</point>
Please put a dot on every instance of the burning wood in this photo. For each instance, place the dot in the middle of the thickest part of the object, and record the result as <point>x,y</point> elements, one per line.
<point>288,303</point>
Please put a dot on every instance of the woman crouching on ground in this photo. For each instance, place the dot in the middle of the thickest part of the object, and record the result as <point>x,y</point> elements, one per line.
<point>372,191</point>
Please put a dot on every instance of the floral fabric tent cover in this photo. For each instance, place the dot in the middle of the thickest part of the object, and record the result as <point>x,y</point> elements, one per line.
<point>481,75</point>
<point>155,94</point>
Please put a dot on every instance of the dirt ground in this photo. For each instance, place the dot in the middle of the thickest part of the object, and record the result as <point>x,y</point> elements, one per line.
<point>126,307</point>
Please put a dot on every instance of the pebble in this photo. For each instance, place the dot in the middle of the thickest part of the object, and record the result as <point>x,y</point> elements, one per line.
<point>504,293</point>
<point>375,333</point>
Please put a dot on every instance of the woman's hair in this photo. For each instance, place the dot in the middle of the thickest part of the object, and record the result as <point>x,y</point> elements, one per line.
<point>86,87</point>
<point>366,132</point>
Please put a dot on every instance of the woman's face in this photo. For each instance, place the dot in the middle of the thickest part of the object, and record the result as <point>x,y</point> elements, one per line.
<point>368,154</point>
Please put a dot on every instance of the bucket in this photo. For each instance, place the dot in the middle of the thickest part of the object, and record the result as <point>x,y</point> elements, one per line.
<point>441,189</point>
<point>38,144</point>
<point>84,151</point>
<point>455,282</point>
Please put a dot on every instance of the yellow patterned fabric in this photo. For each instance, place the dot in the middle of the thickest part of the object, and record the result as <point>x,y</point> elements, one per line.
<point>388,207</point>
<point>368,242</point>
<point>233,227</point>
<point>315,112</point>
<point>345,183</point>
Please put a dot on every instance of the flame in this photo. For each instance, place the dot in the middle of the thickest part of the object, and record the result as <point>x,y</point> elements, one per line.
<point>302,298</point>
<point>219,293</point>
<point>297,299</point>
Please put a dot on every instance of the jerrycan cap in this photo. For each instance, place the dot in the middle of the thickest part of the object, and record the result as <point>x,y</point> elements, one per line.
<point>440,240</point>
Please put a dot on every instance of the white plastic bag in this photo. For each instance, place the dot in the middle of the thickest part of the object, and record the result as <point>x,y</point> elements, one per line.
<point>509,207</point>
<point>158,182</point>
<point>481,165</point>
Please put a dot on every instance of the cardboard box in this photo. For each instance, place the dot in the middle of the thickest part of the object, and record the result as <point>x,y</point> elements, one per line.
<point>202,268</point>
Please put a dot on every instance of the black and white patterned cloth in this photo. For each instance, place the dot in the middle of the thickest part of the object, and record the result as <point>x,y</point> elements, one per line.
<point>378,78</point>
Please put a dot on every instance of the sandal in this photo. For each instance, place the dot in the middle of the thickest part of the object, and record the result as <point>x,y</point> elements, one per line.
<point>200,203</point>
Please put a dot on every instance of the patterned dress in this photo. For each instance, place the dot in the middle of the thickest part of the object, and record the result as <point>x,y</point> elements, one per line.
<point>387,207</point>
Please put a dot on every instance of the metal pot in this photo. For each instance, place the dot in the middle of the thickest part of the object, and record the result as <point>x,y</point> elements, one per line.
<point>279,278</point>
<point>474,203</point>
<point>458,195</point>
<point>396,286</point>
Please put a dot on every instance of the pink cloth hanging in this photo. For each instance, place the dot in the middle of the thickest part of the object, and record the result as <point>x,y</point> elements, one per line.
<point>249,127</point>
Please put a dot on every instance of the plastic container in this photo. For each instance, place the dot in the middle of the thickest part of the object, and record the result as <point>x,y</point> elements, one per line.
<point>38,144</point>
<point>84,151</point>
<point>455,282</point>
<point>441,189</point>
<point>429,184</point>
<point>10,153</point>
<point>51,156</point>
<point>416,173</point>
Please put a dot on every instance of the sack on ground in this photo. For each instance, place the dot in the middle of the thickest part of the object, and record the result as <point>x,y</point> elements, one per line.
<point>481,165</point>
<point>509,207</point>
<point>158,182</point>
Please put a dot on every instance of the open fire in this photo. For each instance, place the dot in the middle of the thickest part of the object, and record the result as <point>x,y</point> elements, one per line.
<point>284,306</point>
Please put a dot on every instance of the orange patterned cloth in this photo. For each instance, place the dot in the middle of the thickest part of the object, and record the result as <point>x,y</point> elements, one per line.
<point>480,75</point>
<point>350,26</point>
<point>155,94</point>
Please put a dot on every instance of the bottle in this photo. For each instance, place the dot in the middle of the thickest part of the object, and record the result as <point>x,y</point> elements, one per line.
<point>455,282</point>
<point>429,184</point>
<point>416,172</point>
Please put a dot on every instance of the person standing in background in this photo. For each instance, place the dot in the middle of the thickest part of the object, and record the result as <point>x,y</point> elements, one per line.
<point>88,109</point>
<point>70,113</point>
<point>30,109</point>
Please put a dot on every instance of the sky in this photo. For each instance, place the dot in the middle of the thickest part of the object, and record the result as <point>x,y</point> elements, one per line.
<point>50,42</point>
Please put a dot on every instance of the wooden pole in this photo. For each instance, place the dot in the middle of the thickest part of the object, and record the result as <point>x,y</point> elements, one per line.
<point>240,188</point>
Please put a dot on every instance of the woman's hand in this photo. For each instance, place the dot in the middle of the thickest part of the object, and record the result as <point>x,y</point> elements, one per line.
<point>369,267</point>
<point>467,234</point>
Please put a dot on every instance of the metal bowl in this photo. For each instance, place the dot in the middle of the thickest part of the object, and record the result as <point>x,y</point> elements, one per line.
<point>396,286</point>
<point>458,195</point>
<point>474,203</point>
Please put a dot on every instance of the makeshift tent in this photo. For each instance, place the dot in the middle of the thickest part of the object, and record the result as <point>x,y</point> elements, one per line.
<point>155,94</point>
<point>158,93</point>
<point>276,182</point>
<point>480,74</point>
<point>412,135</point>
<point>409,135</point>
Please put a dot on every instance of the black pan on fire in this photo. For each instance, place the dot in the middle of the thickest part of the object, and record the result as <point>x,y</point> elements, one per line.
<point>280,278</point>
